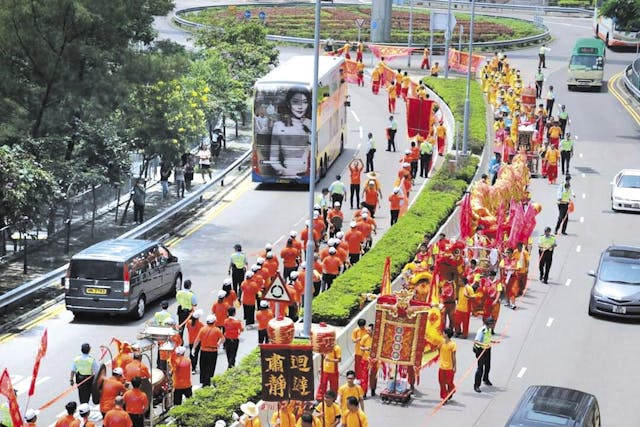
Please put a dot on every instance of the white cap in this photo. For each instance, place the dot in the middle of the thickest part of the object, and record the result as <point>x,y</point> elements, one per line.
<point>84,409</point>
<point>339,235</point>
<point>332,250</point>
<point>396,190</point>
<point>307,222</point>
<point>406,165</point>
<point>220,423</point>
<point>316,215</point>
<point>293,233</point>
<point>269,255</point>
<point>211,319</point>
<point>180,350</point>
<point>260,260</point>
<point>222,294</point>
<point>227,281</point>
<point>365,215</point>
<point>117,371</point>
<point>332,242</point>
<point>352,224</point>
<point>407,151</point>
<point>248,274</point>
<point>336,204</point>
<point>255,267</point>
<point>365,209</point>
<point>31,414</point>
<point>316,207</point>
<point>264,304</point>
<point>268,246</point>
<point>197,314</point>
<point>293,275</point>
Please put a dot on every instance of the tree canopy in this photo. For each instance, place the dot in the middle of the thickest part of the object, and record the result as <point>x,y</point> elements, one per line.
<point>625,12</point>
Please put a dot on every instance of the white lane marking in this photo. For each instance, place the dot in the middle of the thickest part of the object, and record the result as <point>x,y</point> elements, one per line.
<point>361,132</point>
<point>581,219</point>
<point>549,322</point>
<point>522,371</point>
<point>355,116</point>
<point>580,155</point>
<point>299,221</point>
<point>583,175</point>
<point>578,248</point>
<point>278,241</point>
<point>23,386</point>
<point>568,282</point>
<point>584,195</point>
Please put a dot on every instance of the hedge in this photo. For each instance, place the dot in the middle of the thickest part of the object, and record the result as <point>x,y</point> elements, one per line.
<point>339,304</point>
<point>452,92</point>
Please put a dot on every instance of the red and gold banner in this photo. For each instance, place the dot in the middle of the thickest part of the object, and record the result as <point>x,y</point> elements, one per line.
<point>350,73</point>
<point>400,331</point>
<point>287,372</point>
<point>6,389</point>
<point>419,117</point>
<point>459,61</point>
<point>42,350</point>
<point>390,52</point>
<point>385,285</point>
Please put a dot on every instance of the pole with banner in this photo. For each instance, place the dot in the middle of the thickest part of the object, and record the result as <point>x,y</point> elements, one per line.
<point>410,36</point>
<point>6,389</point>
<point>42,350</point>
<point>465,125</point>
<point>447,40</point>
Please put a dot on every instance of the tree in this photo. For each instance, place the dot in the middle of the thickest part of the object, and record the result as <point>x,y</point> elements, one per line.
<point>625,12</point>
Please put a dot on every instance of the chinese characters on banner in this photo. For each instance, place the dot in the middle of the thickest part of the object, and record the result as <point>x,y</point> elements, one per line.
<point>459,61</point>
<point>287,372</point>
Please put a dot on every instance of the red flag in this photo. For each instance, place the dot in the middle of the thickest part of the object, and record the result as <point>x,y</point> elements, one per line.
<point>500,226</point>
<point>42,350</point>
<point>350,73</point>
<point>419,117</point>
<point>6,389</point>
<point>465,217</point>
<point>516,224</point>
<point>385,284</point>
<point>528,224</point>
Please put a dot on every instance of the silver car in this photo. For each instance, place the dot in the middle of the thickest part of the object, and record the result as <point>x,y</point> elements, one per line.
<point>625,191</point>
<point>616,289</point>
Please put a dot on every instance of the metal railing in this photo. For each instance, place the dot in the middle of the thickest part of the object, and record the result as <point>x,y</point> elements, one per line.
<point>24,291</point>
<point>506,7</point>
<point>178,19</point>
<point>632,78</point>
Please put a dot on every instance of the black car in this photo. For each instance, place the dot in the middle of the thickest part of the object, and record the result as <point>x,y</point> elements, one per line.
<point>543,405</point>
<point>616,289</point>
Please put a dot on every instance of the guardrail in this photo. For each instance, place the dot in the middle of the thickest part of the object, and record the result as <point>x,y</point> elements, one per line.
<point>300,40</point>
<point>24,291</point>
<point>462,5</point>
<point>632,78</point>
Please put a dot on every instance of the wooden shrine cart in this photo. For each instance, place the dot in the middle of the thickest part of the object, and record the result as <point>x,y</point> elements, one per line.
<point>527,143</point>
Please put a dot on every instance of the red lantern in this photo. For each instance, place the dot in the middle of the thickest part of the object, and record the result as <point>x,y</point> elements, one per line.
<point>280,330</point>
<point>323,338</point>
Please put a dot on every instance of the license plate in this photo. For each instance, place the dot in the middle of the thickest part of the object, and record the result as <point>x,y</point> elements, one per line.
<point>96,291</point>
<point>619,310</point>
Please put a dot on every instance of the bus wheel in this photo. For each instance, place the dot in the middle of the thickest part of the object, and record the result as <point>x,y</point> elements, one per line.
<point>323,172</point>
<point>341,143</point>
<point>597,28</point>
<point>606,41</point>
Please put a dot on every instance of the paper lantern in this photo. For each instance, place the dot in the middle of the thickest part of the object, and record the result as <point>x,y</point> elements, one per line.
<point>323,338</point>
<point>280,330</point>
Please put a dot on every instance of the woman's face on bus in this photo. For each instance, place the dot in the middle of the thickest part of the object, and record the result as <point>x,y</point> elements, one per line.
<point>299,104</point>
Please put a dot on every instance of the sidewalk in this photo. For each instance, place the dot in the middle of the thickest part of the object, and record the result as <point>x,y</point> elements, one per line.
<point>51,255</point>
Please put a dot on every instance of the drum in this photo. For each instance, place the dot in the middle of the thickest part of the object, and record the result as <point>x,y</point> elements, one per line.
<point>96,386</point>
<point>158,380</point>
<point>280,330</point>
<point>529,96</point>
<point>323,338</point>
<point>165,350</point>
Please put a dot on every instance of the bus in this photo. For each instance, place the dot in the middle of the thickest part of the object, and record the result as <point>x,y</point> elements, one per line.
<point>614,35</point>
<point>586,65</point>
<point>282,120</point>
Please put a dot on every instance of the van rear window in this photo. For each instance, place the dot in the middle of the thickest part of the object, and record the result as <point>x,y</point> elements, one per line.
<point>96,270</point>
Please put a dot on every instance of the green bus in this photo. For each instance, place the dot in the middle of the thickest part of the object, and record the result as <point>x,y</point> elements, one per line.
<point>586,66</point>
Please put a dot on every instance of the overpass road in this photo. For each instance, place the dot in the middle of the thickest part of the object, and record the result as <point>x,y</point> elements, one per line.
<point>549,339</point>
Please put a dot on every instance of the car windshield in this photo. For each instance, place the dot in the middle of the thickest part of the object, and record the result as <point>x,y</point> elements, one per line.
<point>586,62</point>
<point>629,181</point>
<point>620,272</point>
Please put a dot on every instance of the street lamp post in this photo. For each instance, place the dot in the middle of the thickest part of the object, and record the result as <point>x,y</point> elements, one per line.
<point>447,40</point>
<point>465,127</point>
<point>410,36</point>
<point>308,290</point>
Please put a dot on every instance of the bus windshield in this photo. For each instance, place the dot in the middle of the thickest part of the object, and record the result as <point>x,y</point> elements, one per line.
<point>586,62</point>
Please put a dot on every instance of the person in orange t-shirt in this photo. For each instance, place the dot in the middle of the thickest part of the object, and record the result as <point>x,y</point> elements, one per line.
<point>290,258</point>
<point>395,200</point>
<point>232,330</point>
<point>68,419</point>
<point>210,337</point>
<point>136,402</point>
<point>136,368</point>
<point>354,239</point>
<point>117,417</point>
<point>296,243</point>
<point>84,410</point>
<point>371,197</point>
<point>249,299</point>
<point>111,388</point>
<point>263,316</point>
<point>331,267</point>
<point>219,309</point>
<point>414,157</point>
<point>304,235</point>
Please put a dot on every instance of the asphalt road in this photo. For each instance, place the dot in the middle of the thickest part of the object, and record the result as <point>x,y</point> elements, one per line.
<point>549,340</point>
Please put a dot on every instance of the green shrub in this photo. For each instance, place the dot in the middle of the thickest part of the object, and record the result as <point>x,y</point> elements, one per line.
<point>452,91</point>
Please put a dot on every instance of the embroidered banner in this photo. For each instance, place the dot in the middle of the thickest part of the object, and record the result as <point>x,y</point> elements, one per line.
<point>459,61</point>
<point>419,117</point>
<point>287,372</point>
<point>390,52</point>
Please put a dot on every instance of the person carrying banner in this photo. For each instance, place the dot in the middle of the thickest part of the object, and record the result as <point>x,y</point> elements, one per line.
<point>393,95</point>
<point>441,134</point>
<point>329,376</point>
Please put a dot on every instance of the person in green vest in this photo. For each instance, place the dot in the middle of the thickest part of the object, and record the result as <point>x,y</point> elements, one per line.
<point>426,152</point>
<point>565,194</point>
<point>546,245</point>
<point>566,152</point>
<point>187,302</point>
<point>83,367</point>
<point>5,416</point>
<point>163,317</point>
<point>482,349</point>
<point>539,78</point>
<point>563,118</point>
